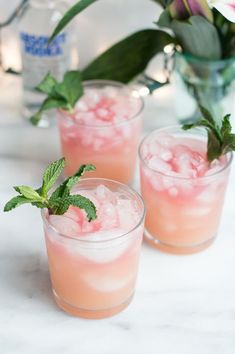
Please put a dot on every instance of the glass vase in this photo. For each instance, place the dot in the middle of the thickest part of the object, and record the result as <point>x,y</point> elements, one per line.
<point>210,84</point>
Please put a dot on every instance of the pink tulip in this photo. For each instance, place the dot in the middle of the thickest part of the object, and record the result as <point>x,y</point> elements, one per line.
<point>225,7</point>
<point>182,9</point>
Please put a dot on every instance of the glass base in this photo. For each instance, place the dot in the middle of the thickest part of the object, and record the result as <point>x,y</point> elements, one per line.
<point>152,241</point>
<point>90,314</point>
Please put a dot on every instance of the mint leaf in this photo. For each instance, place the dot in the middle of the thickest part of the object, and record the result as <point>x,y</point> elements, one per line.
<point>35,119</point>
<point>60,200</point>
<point>28,193</point>
<point>72,181</point>
<point>71,88</point>
<point>47,85</point>
<point>63,95</point>
<point>51,175</point>
<point>83,203</point>
<point>15,202</point>
<point>221,140</point>
<point>48,103</point>
<point>226,126</point>
<point>64,189</point>
<point>213,146</point>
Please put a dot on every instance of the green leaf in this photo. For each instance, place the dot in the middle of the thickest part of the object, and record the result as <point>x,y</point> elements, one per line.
<point>70,14</point>
<point>83,203</point>
<point>71,88</point>
<point>64,189</point>
<point>228,143</point>
<point>48,103</point>
<point>61,199</point>
<point>28,192</point>
<point>220,139</point>
<point>51,175</point>
<point>35,119</point>
<point>206,114</point>
<point>47,85</point>
<point>213,146</point>
<point>226,126</point>
<point>198,37</point>
<point>129,57</point>
<point>15,202</point>
<point>164,19</point>
<point>72,181</point>
<point>62,95</point>
<point>58,206</point>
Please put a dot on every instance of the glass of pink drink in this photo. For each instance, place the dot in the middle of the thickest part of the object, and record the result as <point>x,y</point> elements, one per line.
<point>183,193</point>
<point>104,130</point>
<point>93,266</point>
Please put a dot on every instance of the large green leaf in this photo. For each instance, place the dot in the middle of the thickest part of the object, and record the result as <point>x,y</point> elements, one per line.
<point>198,37</point>
<point>70,14</point>
<point>129,57</point>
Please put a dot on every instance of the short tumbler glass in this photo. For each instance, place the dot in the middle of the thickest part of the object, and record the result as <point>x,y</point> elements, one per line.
<point>183,214</point>
<point>95,279</point>
<point>111,147</point>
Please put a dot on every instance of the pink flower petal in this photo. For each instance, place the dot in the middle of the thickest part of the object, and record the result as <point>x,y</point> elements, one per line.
<point>225,7</point>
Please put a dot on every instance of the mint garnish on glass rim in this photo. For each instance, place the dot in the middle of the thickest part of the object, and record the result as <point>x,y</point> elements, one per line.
<point>59,201</point>
<point>220,137</point>
<point>62,95</point>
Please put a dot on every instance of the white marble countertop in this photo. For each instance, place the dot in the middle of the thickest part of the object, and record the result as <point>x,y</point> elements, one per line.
<point>183,304</point>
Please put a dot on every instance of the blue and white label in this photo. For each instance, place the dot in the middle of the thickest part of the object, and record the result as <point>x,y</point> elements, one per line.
<point>37,46</point>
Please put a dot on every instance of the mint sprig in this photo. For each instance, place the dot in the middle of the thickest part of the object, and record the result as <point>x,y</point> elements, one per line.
<point>220,137</point>
<point>60,200</point>
<point>62,95</point>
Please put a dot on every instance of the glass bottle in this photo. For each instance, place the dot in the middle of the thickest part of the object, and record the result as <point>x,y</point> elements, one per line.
<point>36,24</point>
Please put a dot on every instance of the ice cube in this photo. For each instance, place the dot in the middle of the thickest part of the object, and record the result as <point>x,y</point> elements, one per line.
<point>127,215</point>
<point>74,214</point>
<point>209,195</point>
<point>110,91</point>
<point>158,165</point>
<point>92,97</point>
<point>154,148</point>
<point>81,106</point>
<point>89,195</point>
<point>107,216</point>
<point>64,225</point>
<point>183,151</point>
<point>197,211</point>
<point>173,192</point>
<point>105,194</point>
<point>107,281</point>
<point>104,253</point>
<point>165,154</point>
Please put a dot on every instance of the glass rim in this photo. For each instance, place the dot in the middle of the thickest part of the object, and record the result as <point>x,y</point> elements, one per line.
<point>201,61</point>
<point>200,178</point>
<point>119,84</point>
<point>89,242</point>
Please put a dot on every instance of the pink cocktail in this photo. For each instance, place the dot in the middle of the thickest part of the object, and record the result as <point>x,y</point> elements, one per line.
<point>93,266</point>
<point>104,130</point>
<point>183,193</point>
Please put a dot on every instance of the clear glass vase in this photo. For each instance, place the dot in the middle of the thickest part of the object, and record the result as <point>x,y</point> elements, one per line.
<point>210,84</point>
